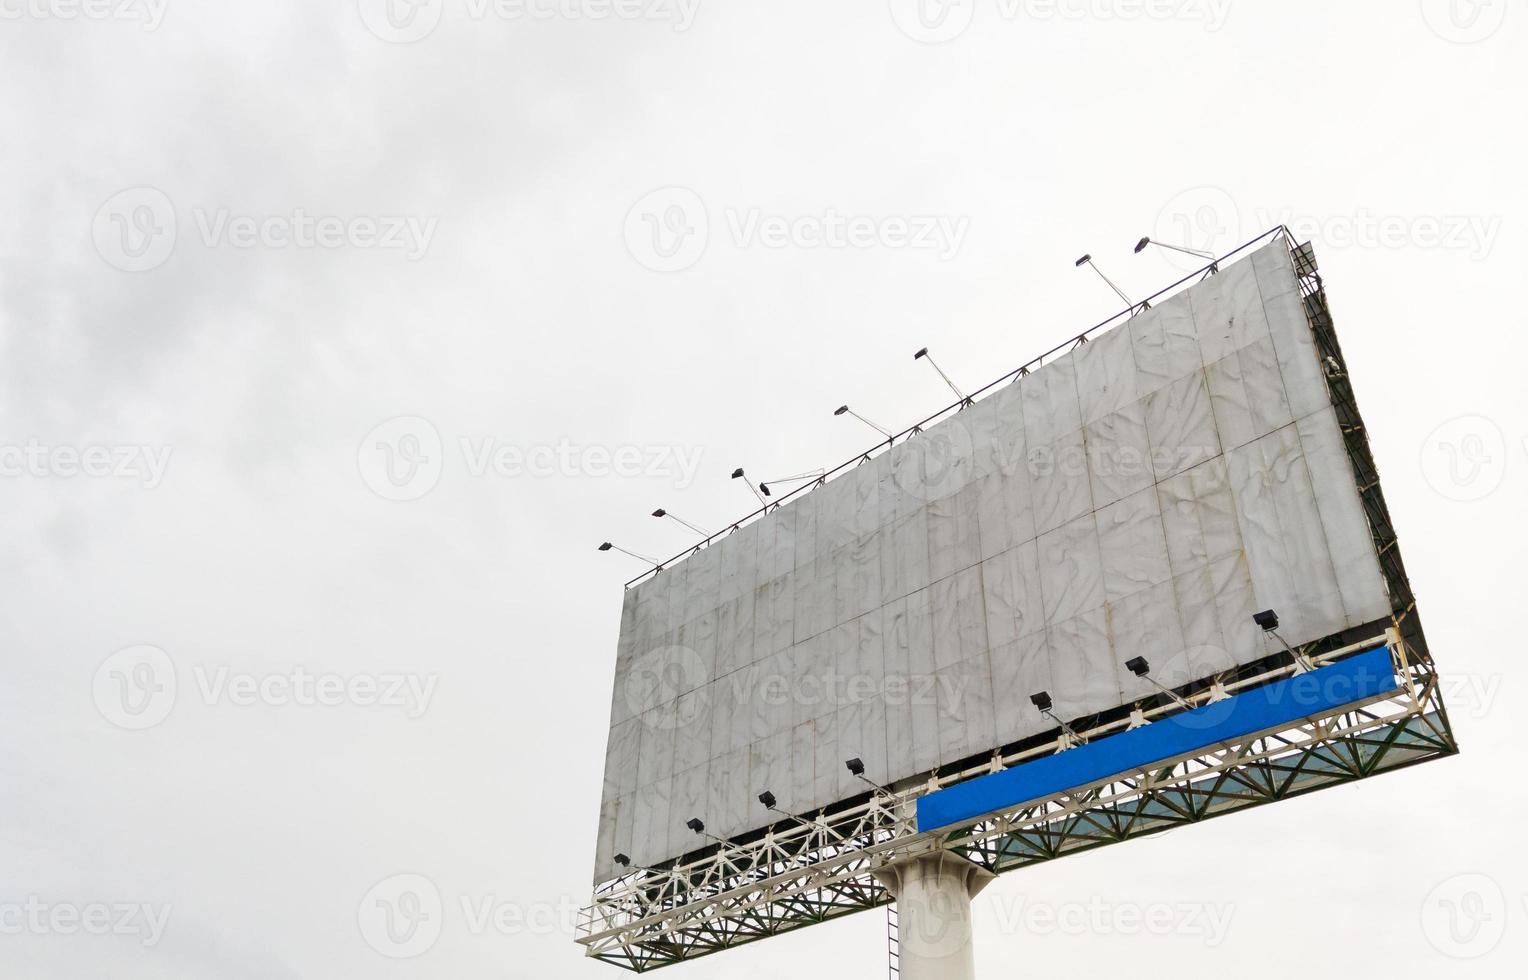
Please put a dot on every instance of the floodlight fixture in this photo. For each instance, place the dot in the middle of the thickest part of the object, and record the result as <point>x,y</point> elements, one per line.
<point>798,478</point>
<point>625,862</point>
<point>923,354</point>
<point>699,826</point>
<point>660,512</point>
<point>607,546</point>
<point>1088,261</point>
<point>1269,621</point>
<point>1140,668</point>
<point>845,409</point>
<point>770,803</point>
<point>856,769</point>
<point>1042,700</point>
<point>1141,246</point>
<point>738,474</point>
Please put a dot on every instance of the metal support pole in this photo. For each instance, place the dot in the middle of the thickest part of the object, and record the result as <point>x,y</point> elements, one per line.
<point>933,893</point>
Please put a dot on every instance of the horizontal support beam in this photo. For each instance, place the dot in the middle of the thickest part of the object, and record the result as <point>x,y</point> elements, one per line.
<point>796,879</point>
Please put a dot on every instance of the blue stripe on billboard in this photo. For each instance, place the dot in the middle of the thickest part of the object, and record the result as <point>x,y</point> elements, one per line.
<point>1358,678</point>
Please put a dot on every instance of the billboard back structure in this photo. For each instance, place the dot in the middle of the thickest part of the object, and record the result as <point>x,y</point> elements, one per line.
<point>1142,493</point>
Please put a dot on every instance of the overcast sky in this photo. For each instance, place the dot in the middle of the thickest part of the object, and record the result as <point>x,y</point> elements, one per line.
<point>568,262</point>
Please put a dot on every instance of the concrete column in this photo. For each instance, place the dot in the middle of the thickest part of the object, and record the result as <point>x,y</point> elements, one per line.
<point>933,893</point>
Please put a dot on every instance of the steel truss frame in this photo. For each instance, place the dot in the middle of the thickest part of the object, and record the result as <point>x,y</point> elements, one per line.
<point>817,870</point>
<point>801,872</point>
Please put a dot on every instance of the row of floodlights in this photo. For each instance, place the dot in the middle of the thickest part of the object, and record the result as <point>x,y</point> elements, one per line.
<point>1141,246</point>
<point>763,491</point>
<point>1268,620</point>
<point>856,769</point>
<point>766,488</point>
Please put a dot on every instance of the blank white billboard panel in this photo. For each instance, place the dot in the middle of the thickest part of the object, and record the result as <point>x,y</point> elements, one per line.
<point>1142,495</point>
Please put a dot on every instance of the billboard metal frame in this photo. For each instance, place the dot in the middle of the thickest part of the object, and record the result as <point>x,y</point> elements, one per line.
<point>1356,438</point>
<point>801,871</point>
<point>816,870</point>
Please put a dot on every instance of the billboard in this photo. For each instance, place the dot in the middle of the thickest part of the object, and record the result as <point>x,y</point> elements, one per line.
<point>1142,495</point>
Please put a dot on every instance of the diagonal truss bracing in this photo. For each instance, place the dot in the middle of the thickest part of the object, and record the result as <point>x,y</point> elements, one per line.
<point>819,870</point>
